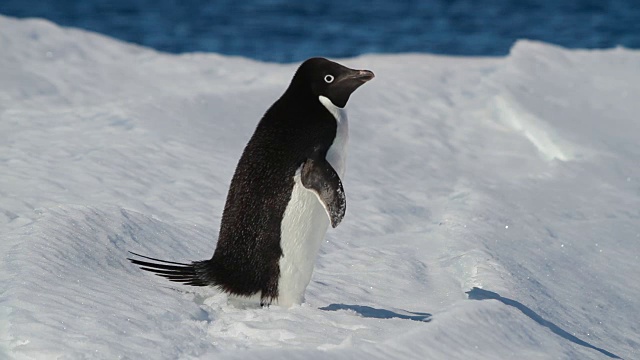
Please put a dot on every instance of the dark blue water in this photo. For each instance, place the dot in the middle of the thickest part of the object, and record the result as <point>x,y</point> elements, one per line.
<point>286,31</point>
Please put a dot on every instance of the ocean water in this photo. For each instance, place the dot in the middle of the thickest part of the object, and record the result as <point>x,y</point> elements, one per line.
<point>287,31</point>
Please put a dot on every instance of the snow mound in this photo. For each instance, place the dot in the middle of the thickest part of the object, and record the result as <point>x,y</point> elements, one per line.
<point>493,204</point>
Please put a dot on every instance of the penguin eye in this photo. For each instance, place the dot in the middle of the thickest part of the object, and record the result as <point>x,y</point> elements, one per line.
<point>328,78</point>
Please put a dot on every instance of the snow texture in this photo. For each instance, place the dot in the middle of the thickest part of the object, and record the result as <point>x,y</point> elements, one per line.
<point>493,205</point>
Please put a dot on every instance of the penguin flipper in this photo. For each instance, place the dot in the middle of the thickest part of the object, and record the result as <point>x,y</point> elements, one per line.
<point>187,274</point>
<point>320,177</point>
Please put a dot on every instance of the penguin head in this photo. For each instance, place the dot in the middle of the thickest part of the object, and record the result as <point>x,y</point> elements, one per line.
<point>322,77</point>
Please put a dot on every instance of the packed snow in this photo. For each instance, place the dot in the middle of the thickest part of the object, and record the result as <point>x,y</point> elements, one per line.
<point>493,204</point>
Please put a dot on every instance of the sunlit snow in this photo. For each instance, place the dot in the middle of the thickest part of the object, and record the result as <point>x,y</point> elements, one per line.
<point>493,205</point>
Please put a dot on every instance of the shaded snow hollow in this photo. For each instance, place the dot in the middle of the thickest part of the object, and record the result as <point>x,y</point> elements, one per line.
<point>493,205</point>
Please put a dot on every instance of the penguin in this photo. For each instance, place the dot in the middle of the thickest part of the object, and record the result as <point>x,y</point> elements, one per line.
<point>285,192</point>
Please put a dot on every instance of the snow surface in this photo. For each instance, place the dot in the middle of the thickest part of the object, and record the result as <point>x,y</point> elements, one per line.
<point>493,205</point>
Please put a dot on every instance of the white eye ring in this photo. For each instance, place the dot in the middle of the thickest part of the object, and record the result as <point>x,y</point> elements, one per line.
<point>328,78</point>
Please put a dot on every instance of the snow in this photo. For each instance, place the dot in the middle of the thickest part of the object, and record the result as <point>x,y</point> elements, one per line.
<point>493,204</point>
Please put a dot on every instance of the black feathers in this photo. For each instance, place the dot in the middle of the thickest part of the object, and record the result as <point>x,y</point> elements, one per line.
<point>318,175</point>
<point>177,272</point>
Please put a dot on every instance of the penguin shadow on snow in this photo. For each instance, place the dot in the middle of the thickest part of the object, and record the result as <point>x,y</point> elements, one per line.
<point>361,310</point>
<point>374,313</point>
<point>481,294</point>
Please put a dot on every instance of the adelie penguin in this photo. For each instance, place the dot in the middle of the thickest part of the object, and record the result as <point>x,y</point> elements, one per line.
<point>285,192</point>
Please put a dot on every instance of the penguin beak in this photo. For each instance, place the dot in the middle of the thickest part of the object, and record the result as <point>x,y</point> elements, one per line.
<point>362,75</point>
<point>353,79</point>
<point>340,91</point>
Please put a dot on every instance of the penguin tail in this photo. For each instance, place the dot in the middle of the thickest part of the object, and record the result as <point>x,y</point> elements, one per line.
<point>188,274</point>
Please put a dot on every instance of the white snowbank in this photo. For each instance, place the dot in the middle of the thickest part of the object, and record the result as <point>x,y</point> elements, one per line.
<point>516,176</point>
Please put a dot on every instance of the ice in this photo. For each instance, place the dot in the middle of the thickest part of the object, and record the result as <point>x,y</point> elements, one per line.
<point>493,204</point>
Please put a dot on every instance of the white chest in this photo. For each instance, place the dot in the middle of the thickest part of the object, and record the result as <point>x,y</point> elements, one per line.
<point>305,222</point>
<point>303,228</point>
